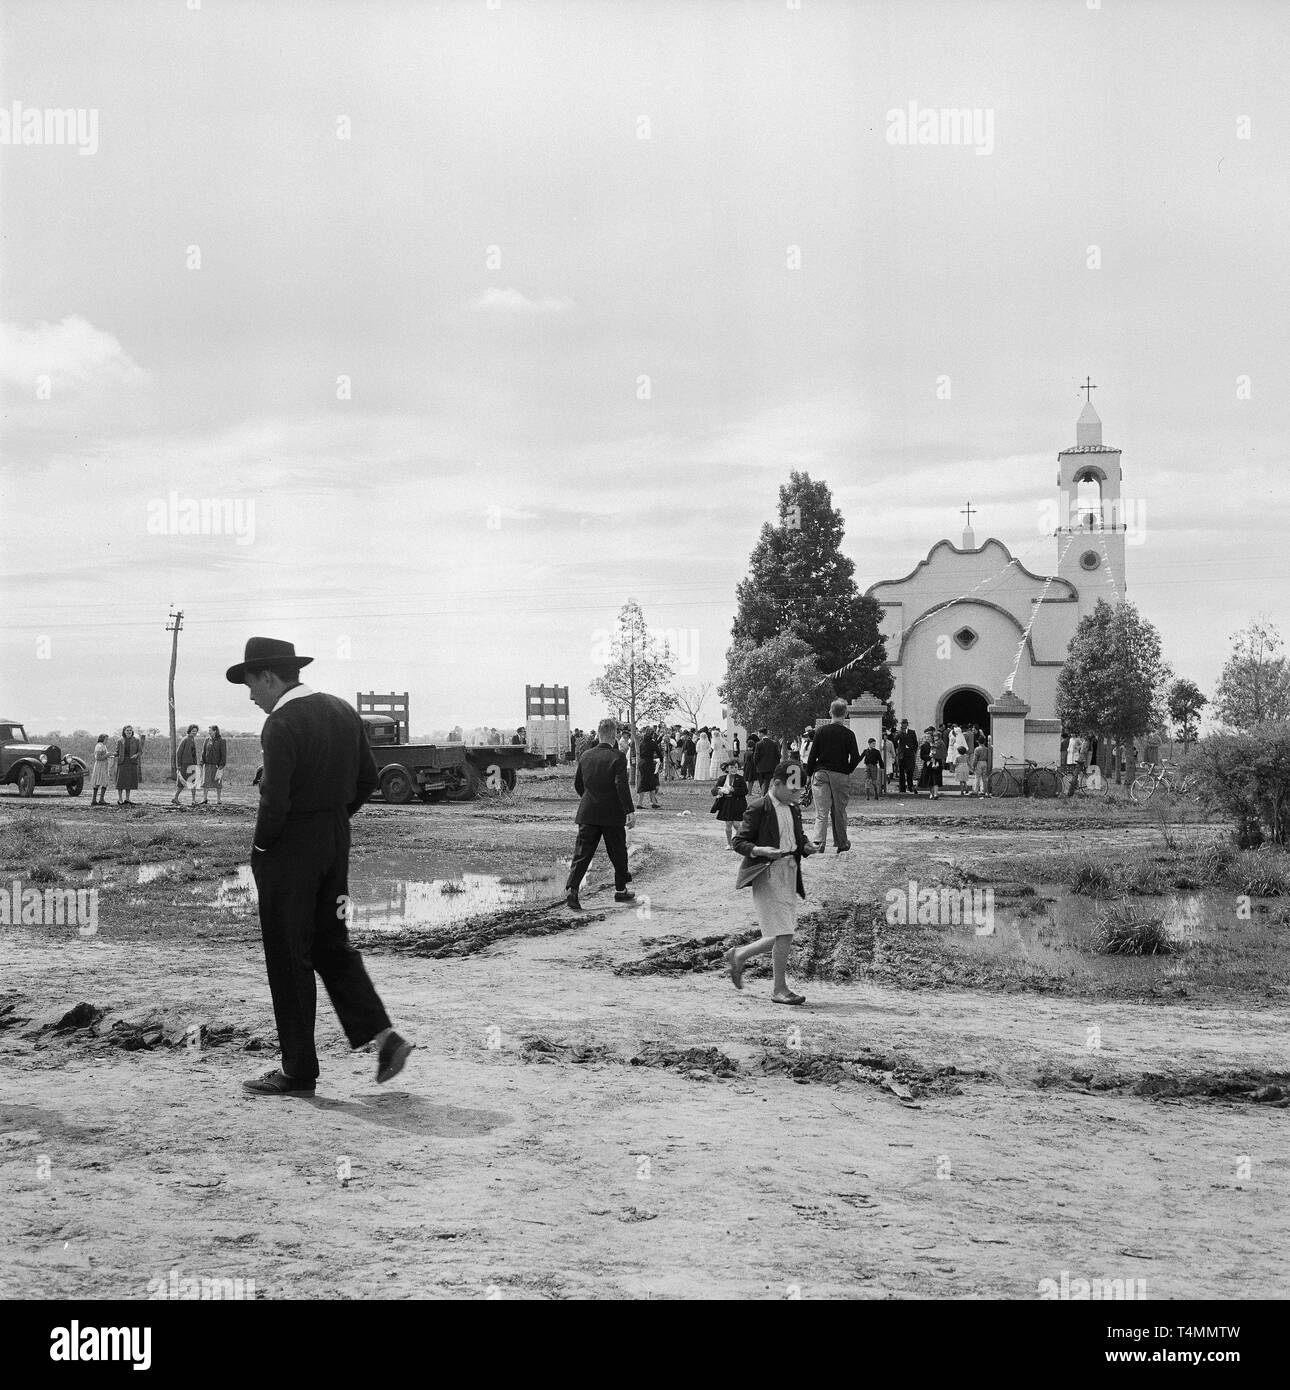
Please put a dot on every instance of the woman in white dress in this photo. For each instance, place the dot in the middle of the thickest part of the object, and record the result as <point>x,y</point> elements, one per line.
<point>703,758</point>
<point>720,751</point>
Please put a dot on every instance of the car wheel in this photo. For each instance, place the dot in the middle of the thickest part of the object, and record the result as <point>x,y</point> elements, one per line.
<point>26,781</point>
<point>75,788</point>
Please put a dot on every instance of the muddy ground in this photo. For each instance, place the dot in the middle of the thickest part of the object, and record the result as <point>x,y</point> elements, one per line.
<point>575,1125</point>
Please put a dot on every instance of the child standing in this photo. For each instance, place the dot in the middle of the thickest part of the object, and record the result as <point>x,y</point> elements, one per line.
<point>773,844</point>
<point>730,798</point>
<point>961,769</point>
<point>872,760</point>
<point>99,781</point>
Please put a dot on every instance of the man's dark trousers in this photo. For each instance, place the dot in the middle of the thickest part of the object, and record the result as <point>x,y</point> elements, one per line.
<point>908,777</point>
<point>584,850</point>
<point>303,882</point>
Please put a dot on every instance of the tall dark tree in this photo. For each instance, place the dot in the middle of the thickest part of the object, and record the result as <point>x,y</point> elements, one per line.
<point>799,581</point>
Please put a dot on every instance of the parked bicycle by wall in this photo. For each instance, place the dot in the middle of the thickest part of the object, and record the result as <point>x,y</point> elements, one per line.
<point>1024,779</point>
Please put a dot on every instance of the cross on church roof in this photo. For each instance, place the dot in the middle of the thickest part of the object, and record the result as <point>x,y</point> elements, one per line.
<point>1088,388</point>
<point>968,509</point>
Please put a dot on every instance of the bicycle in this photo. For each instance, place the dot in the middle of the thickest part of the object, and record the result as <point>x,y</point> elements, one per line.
<point>1149,781</point>
<point>1089,782</point>
<point>1033,780</point>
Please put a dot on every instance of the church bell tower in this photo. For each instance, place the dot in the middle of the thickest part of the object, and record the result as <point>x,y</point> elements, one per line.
<point>1091,513</point>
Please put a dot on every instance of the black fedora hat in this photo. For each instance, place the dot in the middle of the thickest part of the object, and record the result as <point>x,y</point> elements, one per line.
<point>265,653</point>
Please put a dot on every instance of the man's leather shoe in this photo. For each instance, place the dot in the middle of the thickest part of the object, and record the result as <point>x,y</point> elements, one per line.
<point>572,902</point>
<point>626,896</point>
<point>395,1050</point>
<point>274,1083</point>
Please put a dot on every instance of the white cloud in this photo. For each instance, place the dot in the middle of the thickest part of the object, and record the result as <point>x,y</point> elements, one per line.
<point>509,301</point>
<point>72,353</point>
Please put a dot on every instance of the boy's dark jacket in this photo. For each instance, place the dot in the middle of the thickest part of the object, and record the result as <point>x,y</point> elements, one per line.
<point>760,826</point>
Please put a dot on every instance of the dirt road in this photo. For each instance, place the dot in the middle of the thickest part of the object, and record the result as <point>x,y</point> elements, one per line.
<point>500,1167</point>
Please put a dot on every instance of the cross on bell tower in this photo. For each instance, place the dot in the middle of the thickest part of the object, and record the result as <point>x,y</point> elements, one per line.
<point>1088,388</point>
<point>969,538</point>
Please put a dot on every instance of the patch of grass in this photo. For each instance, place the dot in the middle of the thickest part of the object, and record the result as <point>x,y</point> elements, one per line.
<point>1090,876</point>
<point>172,839</point>
<point>1123,931</point>
<point>1141,877</point>
<point>42,872</point>
<point>1259,873</point>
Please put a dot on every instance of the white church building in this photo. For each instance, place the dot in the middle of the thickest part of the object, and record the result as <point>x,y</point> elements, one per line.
<point>974,637</point>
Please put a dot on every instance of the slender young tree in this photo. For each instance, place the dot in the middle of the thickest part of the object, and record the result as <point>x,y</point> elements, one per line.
<point>689,699</point>
<point>799,581</point>
<point>1185,703</point>
<point>637,673</point>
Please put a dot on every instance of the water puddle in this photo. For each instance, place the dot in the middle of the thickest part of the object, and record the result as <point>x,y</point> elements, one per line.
<point>383,904</point>
<point>1056,931</point>
<point>149,873</point>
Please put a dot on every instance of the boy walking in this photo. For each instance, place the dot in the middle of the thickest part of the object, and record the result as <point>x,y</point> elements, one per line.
<point>872,759</point>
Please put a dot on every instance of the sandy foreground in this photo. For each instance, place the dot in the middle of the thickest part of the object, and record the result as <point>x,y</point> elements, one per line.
<point>478,1173</point>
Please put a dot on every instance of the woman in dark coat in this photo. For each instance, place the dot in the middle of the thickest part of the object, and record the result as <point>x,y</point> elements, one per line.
<point>730,798</point>
<point>647,770</point>
<point>128,752</point>
<point>925,758</point>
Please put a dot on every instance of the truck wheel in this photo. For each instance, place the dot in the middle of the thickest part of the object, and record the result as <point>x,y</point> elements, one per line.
<point>396,786</point>
<point>74,788</point>
<point>26,781</point>
<point>468,787</point>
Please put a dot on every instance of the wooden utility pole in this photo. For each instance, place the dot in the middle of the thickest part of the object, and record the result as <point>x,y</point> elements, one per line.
<point>174,626</point>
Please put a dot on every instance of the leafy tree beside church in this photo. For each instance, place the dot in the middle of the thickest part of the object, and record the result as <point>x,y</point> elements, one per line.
<point>799,582</point>
<point>1112,685</point>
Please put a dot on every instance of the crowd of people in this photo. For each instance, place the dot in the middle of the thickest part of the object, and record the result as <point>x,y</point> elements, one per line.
<point>757,796</point>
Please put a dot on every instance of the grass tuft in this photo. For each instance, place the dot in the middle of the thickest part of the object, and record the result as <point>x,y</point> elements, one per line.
<point>1122,931</point>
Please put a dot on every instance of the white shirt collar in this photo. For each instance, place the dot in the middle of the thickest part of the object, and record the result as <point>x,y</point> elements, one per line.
<point>297,692</point>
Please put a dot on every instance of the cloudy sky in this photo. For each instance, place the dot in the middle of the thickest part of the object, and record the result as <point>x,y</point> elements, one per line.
<point>479,320</point>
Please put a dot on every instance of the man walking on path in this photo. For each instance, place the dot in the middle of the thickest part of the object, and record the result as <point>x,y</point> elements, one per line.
<point>834,756</point>
<point>607,810</point>
<point>907,752</point>
<point>318,770</point>
<point>765,760</point>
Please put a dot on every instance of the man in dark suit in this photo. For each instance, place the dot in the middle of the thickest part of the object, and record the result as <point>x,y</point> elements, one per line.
<point>765,760</point>
<point>318,770</point>
<point>834,757</point>
<point>907,752</point>
<point>606,810</point>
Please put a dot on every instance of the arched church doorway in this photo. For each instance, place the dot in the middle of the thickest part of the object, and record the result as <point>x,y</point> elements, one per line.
<point>966,706</point>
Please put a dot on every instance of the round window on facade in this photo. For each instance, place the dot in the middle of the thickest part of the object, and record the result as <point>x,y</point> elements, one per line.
<point>1090,559</point>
